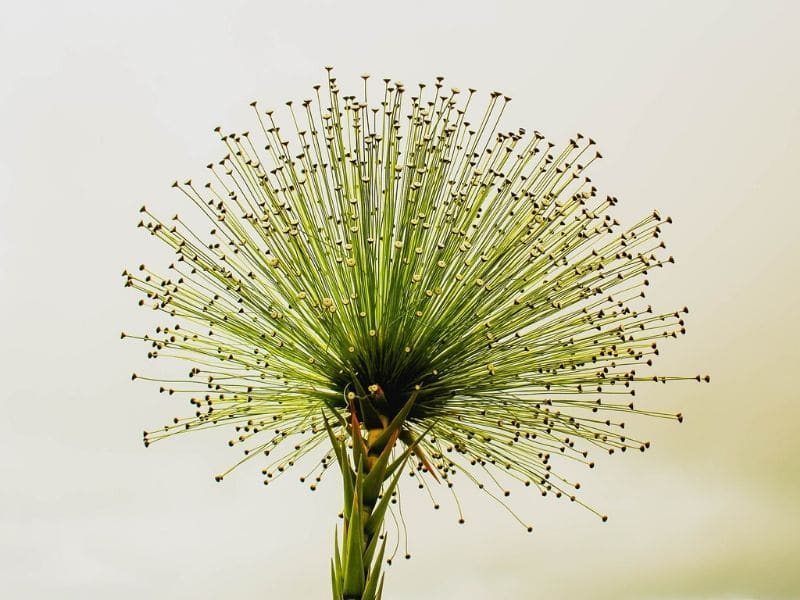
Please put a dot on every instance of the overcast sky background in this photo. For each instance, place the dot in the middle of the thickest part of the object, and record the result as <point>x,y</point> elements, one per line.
<point>696,107</point>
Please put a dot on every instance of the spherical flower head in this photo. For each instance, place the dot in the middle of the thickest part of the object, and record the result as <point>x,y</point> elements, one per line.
<point>389,254</point>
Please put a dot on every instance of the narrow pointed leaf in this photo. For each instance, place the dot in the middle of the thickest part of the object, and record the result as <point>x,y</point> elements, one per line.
<point>336,414</point>
<point>375,520</point>
<point>335,442</point>
<point>344,464</point>
<point>411,445</point>
<point>408,440</point>
<point>353,552</point>
<point>359,446</point>
<point>370,550</point>
<point>375,574</point>
<point>337,592</point>
<point>337,558</point>
<point>397,422</point>
<point>377,475</point>
<point>379,595</point>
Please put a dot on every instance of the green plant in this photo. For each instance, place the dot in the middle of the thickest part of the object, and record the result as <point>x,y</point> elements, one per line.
<point>414,290</point>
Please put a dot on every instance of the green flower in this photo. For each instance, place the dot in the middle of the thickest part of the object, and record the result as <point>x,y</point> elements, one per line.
<point>391,259</point>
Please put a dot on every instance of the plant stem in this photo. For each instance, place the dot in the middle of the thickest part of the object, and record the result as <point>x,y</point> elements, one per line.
<point>369,477</point>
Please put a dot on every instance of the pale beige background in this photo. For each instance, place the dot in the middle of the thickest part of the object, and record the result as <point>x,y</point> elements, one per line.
<point>694,104</point>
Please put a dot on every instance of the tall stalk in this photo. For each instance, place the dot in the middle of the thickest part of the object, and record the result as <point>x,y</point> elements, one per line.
<point>370,476</point>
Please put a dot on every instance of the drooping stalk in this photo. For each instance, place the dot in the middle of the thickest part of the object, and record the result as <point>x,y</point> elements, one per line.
<point>369,477</point>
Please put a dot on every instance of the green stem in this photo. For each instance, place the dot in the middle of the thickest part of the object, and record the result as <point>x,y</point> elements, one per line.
<point>369,477</point>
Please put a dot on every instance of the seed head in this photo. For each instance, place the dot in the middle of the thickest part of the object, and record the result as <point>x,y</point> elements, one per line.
<point>371,256</point>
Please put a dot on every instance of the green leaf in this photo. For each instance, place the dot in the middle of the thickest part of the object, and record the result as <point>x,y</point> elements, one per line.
<point>335,442</point>
<point>379,595</point>
<point>370,550</point>
<point>359,446</point>
<point>337,592</point>
<point>411,446</point>
<point>375,574</point>
<point>409,441</point>
<point>376,476</point>
<point>337,559</point>
<point>335,412</point>
<point>375,521</point>
<point>353,552</point>
<point>344,464</point>
<point>397,422</point>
